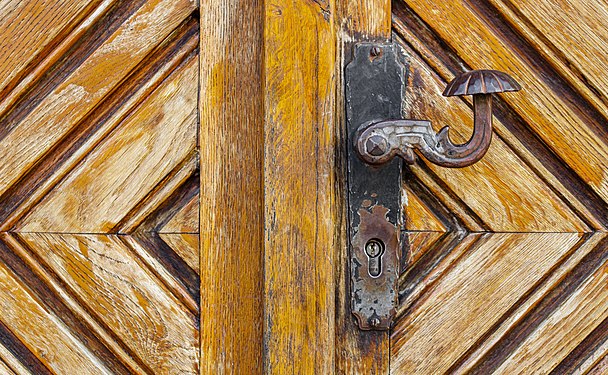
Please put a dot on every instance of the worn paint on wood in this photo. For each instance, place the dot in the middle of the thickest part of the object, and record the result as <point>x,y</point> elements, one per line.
<point>99,121</point>
<point>299,171</point>
<point>231,111</point>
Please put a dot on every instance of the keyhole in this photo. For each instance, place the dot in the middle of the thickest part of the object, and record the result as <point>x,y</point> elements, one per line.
<point>374,249</point>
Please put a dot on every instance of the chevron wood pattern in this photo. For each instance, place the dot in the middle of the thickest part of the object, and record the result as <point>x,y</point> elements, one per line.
<point>506,261</point>
<point>99,187</point>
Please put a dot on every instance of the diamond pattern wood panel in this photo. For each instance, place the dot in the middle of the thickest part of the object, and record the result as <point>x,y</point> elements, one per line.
<point>98,138</point>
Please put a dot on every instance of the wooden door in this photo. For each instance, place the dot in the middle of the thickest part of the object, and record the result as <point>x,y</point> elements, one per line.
<point>100,205</point>
<point>506,260</point>
<point>99,187</point>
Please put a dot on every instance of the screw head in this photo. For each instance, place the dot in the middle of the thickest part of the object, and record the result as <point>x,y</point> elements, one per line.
<point>376,145</point>
<point>375,51</point>
<point>374,322</point>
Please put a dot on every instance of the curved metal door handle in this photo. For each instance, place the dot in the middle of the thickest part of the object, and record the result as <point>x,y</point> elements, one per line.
<point>378,142</point>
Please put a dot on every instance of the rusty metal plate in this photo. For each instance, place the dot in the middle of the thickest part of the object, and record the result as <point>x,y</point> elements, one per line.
<point>374,83</point>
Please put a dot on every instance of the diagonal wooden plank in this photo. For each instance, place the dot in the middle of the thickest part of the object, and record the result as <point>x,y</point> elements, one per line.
<point>59,111</point>
<point>129,163</point>
<point>566,124</point>
<point>185,220</point>
<point>4,369</point>
<point>570,312</point>
<point>585,66</point>
<point>587,354</point>
<point>12,364</point>
<point>600,367</point>
<point>186,246</point>
<point>96,125</point>
<point>471,296</point>
<point>420,243</point>
<point>123,294</point>
<point>38,30</point>
<point>522,317</point>
<point>168,266</point>
<point>516,201</point>
<point>513,129</point>
<point>421,276</point>
<point>30,325</point>
<point>418,216</point>
<point>165,200</point>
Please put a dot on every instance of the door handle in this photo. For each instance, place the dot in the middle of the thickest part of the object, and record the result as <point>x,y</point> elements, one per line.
<point>379,142</point>
<point>375,82</point>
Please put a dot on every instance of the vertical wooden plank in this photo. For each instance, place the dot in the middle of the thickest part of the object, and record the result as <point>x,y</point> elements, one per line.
<point>231,152</point>
<point>300,194</point>
<point>357,352</point>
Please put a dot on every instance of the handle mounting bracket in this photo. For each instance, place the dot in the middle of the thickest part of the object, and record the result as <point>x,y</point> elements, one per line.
<point>375,83</point>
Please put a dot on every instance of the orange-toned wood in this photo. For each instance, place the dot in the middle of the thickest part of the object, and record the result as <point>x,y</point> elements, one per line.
<point>472,296</point>
<point>516,201</point>
<point>232,192</point>
<point>186,246</point>
<point>54,346</point>
<point>123,294</point>
<point>39,30</point>
<point>301,211</point>
<point>98,125</point>
<point>550,107</point>
<point>584,66</point>
<point>117,176</point>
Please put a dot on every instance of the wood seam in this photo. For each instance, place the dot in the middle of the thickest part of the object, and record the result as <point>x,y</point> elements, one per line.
<point>48,297</point>
<point>551,301</point>
<point>516,125</point>
<point>93,128</point>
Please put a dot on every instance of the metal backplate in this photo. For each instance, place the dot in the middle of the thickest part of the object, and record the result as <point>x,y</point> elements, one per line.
<point>375,84</point>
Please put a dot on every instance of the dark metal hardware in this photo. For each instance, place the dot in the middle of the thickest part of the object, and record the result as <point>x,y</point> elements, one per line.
<point>380,141</point>
<point>375,82</point>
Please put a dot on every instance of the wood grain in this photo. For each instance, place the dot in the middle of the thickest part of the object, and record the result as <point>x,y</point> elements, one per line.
<point>12,364</point>
<point>42,332</point>
<point>130,162</point>
<point>528,312</point>
<point>471,296</point>
<point>186,246</point>
<point>42,282</point>
<point>564,329</point>
<point>232,194</point>
<point>41,178</point>
<point>122,293</point>
<point>4,369</point>
<point>581,23</point>
<point>511,128</point>
<point>186,219</point>
<point>299,170</point>
<point>58,113</point>
<point>514,201</point>
<point>38,29</point>
<point>554,113</point>
<point>419,215</point>
<point>419,243</point>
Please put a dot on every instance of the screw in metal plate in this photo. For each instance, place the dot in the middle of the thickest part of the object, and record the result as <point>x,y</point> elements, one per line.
<point>376,145</point>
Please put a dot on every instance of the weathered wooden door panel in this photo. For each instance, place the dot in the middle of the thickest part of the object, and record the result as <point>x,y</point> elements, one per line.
<point>507,258</point>
<point>99,187</point>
